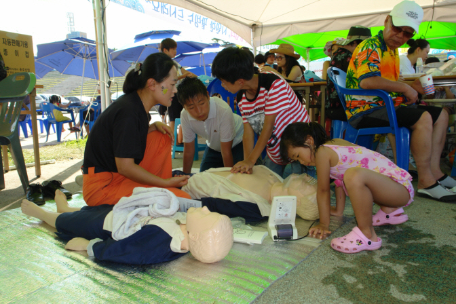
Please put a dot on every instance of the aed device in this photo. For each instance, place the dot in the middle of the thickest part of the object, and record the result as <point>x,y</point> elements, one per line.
<point>281,224</point>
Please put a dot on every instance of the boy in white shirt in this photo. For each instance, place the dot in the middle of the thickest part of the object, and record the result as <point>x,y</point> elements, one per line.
<point>212,119</point>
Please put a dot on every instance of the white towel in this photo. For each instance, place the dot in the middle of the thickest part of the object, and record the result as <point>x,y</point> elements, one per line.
<point>131,213</point>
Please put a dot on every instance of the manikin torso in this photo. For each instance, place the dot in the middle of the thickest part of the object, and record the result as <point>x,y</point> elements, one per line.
<point>267,185</point>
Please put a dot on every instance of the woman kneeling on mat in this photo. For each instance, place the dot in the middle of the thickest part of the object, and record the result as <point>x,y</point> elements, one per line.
<point>123,151</point>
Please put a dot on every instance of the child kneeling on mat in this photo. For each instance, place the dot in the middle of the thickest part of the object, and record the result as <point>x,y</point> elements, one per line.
<point>365,176</point>
<point>134,232</point>
<point>212,119</point>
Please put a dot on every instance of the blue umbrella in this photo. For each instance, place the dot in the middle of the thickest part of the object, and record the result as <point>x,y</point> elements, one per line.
<point>41,70</point>
<point>199,71</point>
<point>149,43</point>
<point>76,56</point>
<point>195,60</point>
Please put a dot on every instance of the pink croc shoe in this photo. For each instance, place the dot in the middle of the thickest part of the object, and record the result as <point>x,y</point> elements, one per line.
<point>394,218</point>
<point>355,242</point>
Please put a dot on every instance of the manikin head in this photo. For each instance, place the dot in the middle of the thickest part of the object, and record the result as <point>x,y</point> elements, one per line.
<point>210,235</point>
<point>304,187</point>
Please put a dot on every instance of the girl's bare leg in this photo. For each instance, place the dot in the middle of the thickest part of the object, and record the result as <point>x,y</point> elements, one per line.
<point>62,203</point>
<point>364,187</point>
<point>33,210</point>
<point>340,202</point>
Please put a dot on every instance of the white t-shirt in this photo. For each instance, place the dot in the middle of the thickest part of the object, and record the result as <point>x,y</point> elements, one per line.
<point>406,66</point>
<point>222,125</point>
<point>168,224</point>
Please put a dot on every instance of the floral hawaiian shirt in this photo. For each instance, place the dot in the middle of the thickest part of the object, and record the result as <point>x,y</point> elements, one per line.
<point>371,58</point>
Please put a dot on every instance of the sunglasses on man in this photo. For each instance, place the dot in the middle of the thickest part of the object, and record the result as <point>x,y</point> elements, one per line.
<point>398,30</point>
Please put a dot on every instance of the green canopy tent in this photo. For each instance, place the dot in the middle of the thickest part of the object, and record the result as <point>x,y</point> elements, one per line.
<point>441,35</point>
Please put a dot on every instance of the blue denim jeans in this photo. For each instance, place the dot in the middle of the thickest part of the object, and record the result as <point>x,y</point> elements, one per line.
<point>214,159</point>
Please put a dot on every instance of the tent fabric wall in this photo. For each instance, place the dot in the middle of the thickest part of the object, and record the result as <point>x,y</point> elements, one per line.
<point>266,21</point>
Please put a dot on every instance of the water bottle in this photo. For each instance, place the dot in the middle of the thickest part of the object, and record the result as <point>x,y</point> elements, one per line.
<point>419,65</point>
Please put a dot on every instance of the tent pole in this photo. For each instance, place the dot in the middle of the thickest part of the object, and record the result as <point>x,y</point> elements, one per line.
<point>204,64</point>
<point>97,10</point>
<point>83,72</point>
<point>308,58</point>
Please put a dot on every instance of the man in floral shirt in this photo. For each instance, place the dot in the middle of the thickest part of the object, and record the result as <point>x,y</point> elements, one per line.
<point>375,65</point>
<point>340,59</point>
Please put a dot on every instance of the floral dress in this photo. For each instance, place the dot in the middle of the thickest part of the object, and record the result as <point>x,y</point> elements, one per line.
<point>351,157</point>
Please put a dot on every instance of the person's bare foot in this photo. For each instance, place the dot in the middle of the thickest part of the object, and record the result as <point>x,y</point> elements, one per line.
<point>31,209</point>
<point>61,202</point>
<point>335,212</point>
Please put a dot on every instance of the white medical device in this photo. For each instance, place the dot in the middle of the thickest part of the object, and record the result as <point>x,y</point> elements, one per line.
<point>281,224</point>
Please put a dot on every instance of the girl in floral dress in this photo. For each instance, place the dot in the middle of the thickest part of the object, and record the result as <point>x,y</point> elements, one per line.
<point>364,175</point>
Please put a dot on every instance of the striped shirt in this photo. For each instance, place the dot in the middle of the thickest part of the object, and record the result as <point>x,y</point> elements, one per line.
<point>274,96</point>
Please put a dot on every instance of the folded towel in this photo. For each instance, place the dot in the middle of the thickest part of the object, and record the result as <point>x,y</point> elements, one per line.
<point>131,213</point>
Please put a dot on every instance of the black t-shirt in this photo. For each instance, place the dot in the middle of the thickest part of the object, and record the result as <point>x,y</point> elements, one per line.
<point>120,131</point>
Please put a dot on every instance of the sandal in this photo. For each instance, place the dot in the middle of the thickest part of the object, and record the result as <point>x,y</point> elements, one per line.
<point>438,193</point>
<point>355,242</point>
<point>74,129</point>
<point>394,218</point>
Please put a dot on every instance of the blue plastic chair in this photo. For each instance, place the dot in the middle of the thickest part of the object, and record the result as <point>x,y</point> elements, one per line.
<point>96,107</point>
<point>338,128</point>
<point>42,120</point>
<point>48,108</point>
<point>23,125</point>
<point>180,148</point>
<point>13,90</point>
<point>216,87</point>
<point>364,137</point>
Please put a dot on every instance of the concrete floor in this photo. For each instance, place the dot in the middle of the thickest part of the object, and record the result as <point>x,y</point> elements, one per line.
<point>416,263</point>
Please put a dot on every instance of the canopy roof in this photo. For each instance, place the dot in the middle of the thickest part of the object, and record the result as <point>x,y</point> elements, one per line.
<point>441,35</point>
<point>266,21</point>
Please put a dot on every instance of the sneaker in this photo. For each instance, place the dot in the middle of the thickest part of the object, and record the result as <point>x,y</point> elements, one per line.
<point>49,188</point>
<point>35,194</point>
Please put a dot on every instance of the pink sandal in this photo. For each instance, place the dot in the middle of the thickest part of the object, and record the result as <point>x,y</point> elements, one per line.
<point>381,218</point>
<point>355,242</point>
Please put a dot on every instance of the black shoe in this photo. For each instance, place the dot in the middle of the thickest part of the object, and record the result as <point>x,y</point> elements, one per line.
<point>35,194</point>
<point>49,188</point>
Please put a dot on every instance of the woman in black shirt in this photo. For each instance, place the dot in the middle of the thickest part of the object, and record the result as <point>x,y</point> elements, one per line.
<point>123,151</point>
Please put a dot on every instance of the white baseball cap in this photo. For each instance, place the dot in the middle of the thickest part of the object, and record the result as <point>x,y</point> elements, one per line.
<point>407,13</point>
